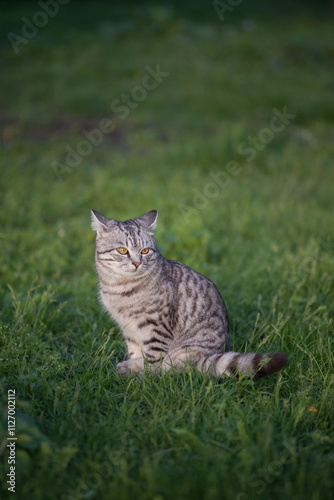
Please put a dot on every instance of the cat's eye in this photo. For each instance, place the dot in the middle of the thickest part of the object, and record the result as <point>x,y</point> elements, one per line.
<point>144,251</point>
<point>122,250</point>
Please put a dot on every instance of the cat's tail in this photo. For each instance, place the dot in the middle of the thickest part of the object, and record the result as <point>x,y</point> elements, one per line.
<point>234,364</point>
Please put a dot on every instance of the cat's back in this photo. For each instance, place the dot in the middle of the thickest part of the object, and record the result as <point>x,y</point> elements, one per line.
<point>201,309</point>
<point>192,284</point>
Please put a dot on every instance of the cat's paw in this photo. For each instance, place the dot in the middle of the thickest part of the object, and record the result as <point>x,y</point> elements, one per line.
<point>125,368</point>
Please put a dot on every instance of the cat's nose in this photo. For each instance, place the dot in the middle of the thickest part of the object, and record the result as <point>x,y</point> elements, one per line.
<point>136,264</point>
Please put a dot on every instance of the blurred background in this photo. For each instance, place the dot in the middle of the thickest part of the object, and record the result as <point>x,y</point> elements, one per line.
<point>125,107</point>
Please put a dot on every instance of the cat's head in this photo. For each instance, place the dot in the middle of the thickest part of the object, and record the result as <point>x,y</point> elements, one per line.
<point>125,248</point>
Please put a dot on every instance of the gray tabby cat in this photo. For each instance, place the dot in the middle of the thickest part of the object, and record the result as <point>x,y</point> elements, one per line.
<point>170,314</point>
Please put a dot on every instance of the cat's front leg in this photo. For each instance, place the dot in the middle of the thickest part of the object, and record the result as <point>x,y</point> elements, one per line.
<point>125,368</point>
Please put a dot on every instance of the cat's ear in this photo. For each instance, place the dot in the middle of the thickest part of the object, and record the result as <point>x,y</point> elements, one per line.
<point>99,223</point>
<point>149,220</point>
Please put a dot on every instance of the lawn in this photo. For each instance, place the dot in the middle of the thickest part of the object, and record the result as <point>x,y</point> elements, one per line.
<point>225,126</point>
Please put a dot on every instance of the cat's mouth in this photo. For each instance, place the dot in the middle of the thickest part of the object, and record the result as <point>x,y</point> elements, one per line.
<point>139,270</point>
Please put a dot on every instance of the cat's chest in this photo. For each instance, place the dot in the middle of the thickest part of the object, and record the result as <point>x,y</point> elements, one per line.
<point>128,307</point>
<point>135,319</point>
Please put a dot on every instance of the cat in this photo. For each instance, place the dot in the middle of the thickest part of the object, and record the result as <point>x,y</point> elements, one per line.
<point>170,314</point>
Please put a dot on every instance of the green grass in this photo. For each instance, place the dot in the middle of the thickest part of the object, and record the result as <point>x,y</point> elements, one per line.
<point>266,239</point>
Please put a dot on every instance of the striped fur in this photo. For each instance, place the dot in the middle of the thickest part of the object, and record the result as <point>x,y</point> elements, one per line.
<point>170,315</point>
